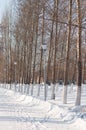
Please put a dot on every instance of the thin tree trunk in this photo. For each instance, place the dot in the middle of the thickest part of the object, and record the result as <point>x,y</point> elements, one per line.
<point>40,71</point>
<point>36,39</point>
<point>50,48</point>
<point>79,60</point>
<point>55,50</point>
<point>84,70</point>
<point>67,55</point>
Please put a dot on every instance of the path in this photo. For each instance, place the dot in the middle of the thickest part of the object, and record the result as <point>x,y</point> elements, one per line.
<point>20,112</point>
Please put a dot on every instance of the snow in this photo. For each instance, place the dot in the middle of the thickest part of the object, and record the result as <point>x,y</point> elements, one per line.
<point>20,111</point>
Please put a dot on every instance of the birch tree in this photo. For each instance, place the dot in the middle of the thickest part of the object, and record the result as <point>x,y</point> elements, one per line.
<point>67,55</point>
<point>79,59</point>
<point>55,49</point>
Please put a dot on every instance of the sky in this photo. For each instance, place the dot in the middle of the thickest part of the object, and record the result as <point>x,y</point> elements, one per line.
<point>3,5</point>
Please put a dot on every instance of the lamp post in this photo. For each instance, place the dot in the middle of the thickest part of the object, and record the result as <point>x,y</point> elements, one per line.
<point>15,63</point>
<point>4,77</point>
<point>44,47</point>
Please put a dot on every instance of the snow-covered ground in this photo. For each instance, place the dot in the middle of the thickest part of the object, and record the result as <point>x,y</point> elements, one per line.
<point>20,111</point>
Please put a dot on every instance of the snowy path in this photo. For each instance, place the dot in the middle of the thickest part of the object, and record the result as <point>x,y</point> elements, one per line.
<point>20,112</point>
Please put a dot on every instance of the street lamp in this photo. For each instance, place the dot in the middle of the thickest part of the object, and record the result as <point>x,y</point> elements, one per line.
<point>15,63</point>
<point>4,77</point>
<point>44,47</point>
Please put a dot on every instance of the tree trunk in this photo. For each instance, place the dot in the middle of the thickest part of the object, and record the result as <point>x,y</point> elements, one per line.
<point>55,49</point>
<point>67,55</point>
<point>79,61</point>
<point>36,39</point>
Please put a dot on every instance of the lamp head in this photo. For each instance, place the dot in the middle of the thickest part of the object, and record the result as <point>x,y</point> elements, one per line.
<point>44,46</point>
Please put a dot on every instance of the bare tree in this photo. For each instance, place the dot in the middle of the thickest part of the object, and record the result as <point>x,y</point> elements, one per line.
<point>67,55</point>
<point>79,59</point>
<point>55,49</point>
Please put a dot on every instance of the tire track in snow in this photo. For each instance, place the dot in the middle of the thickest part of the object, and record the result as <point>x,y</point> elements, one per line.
<point>23,115</point>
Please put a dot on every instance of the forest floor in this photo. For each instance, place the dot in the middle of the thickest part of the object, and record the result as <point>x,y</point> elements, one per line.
<point>18,111</point>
